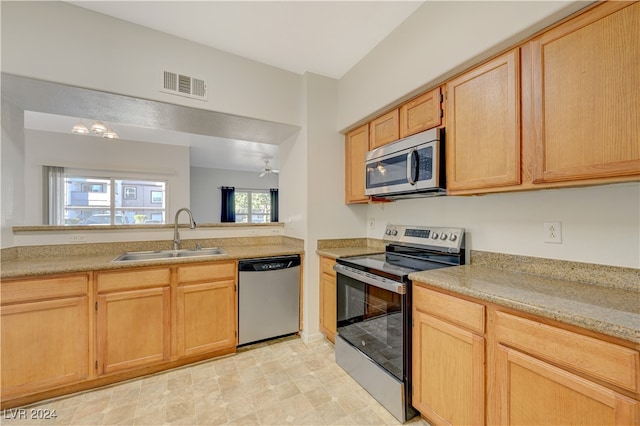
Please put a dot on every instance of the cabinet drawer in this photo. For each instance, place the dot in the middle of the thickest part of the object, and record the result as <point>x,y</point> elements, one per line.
<point>458,311</point>
<point>326,266</point>
<point>208,272</point>
<point>130,279</point>
<point>603,360</point>
<point>44,288</point>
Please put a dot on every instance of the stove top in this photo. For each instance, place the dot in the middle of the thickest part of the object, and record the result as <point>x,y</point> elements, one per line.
<point>411,249</point>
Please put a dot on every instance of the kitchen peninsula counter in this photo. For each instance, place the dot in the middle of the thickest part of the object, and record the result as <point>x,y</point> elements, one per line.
<point>599,298</point>
<point>47,260</point>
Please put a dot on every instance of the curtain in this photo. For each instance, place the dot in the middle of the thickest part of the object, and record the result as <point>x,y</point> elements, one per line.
<point>228,213</point>
<point>53,195</point>
<point>274,204</point>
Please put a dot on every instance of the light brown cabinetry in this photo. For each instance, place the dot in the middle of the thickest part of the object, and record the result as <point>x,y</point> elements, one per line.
<point>586,96</point>
<point>328,294</point>
<point>421,113</point>
<point>483,126</point>
<point>546,375</point>
<point>356,147</point>
<point>384,129</point>
<point>448,358</point>
<point>45,333</point>
<point>206,308</point>
<point>133,318</point>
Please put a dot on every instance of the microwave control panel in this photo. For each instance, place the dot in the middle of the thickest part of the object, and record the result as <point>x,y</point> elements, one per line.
<point>445,238</point>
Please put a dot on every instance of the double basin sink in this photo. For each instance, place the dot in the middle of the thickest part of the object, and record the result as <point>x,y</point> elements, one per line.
<point>133,256</point>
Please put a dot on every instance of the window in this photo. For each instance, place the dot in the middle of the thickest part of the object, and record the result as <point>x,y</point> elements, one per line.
<point>253,206</point>
<point>90,200</point>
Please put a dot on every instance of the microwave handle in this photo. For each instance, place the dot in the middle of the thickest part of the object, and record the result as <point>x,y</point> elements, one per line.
<point>412,159</point>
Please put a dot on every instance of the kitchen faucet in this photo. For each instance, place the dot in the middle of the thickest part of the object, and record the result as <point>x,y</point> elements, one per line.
<point>176,234</point>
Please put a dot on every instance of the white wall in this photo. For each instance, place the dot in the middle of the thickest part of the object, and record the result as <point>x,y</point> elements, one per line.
<point>12,160</point>
<point>328,215</point>
<point>439,39</point>
<point>600,224</point>
<point>121,157</point>
<point>59,42</point>
<point>206,201</point>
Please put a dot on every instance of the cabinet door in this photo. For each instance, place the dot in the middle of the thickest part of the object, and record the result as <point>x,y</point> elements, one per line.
<point>448,372</point>
<point>45,344</point>
<point>207,317</point>
<point>384,129</point>
<point>328,319</point>
<point>133,329</point>
<point>422,113</point>
<point>533,392</point>
<point>356,147</point>
<point>483,126</point>
<point>586,96</point>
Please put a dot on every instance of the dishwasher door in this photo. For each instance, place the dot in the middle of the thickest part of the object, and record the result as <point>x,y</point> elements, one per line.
<point>269,298</point>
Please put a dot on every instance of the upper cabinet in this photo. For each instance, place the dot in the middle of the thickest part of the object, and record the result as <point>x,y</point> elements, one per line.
<point>558,110</point>
<point>421,113</point>
<point>586,96</point>
<point>356,147</point>
<point>483,125</point>
<point>384,129</point>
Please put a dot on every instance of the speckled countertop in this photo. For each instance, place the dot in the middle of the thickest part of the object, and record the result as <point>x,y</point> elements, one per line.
<point>45,260</point>
<point>349,247</point>
<point>613,311</point>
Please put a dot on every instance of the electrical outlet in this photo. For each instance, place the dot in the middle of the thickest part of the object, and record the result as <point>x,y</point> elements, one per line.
<point>372,223</point>
<point>553,232</point>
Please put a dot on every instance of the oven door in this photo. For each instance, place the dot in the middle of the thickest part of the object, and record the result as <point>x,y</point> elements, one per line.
<point>370,317</point>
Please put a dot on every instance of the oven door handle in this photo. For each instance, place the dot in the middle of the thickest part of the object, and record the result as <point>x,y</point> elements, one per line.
<point>380,282</point>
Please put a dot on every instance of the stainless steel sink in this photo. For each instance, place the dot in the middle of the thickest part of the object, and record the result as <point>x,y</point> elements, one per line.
<point>134,256</point>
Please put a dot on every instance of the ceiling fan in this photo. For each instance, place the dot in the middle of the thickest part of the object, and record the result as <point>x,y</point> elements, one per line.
<point>267,169</point>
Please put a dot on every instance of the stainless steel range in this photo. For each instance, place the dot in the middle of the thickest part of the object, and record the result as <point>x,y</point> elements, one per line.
<point>373,343</point>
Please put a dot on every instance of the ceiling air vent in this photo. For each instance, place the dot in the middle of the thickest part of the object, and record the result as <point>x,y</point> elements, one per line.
<point>184,85</point>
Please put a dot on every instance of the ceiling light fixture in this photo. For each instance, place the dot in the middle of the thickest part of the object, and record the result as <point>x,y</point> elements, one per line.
<point>98,128</point>
<point>80,129</point>
<point>110,134</point>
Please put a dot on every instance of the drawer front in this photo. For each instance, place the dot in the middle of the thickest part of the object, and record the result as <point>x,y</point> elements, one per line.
<point>133,279</point>
<point>467,314</point>
<point>208,272</point>
<point>326,266</point>
<point>603,360</point>
<point>44,288</point>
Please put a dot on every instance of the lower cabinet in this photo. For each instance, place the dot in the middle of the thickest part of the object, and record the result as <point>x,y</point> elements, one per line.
<point>45,334</point>
<point>546,375</point>
<point>448,359</point>
<point>529,372</point>
<point>206,308</point>
<point>133,319</point>
<point>328,295</point>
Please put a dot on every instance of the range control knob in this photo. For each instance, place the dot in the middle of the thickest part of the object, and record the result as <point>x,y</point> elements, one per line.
<point>388,231</point>
<point>394,232</point>
<point>453,237</point>
<point>443,236</point>
<point>434,235</point>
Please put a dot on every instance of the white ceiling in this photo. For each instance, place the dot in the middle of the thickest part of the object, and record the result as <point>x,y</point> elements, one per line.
<point>323,37</point>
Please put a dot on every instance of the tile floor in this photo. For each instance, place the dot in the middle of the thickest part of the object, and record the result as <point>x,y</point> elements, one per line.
<point>282,382</point>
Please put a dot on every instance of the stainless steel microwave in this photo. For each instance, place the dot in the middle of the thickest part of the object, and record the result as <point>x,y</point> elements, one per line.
<point>409,168</point>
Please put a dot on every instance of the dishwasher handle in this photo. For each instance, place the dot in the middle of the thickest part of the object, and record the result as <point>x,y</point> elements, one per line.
<point>268,263</point>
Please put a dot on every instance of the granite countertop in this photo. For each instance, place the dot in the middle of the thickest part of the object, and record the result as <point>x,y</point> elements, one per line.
<point>81,262</point>
<point>608,310</point>
<point>349,247</point>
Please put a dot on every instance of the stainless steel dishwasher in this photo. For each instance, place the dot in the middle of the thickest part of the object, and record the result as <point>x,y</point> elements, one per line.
<point>269,298</point>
